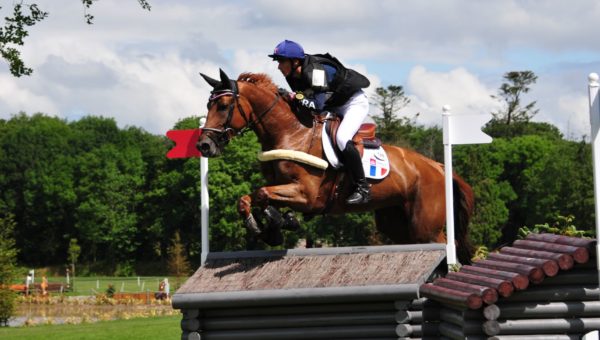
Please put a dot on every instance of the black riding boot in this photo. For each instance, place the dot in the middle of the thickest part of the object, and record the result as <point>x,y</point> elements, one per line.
<point>354,165</point>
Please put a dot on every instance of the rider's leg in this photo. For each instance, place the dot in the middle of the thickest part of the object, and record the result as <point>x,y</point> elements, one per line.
<point>354,164</point>
<point>354,113</point>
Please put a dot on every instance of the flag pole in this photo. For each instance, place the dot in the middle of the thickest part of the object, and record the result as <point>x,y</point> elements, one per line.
<point>450,243</point>
<point>593,86</point>
<point>204,204</point>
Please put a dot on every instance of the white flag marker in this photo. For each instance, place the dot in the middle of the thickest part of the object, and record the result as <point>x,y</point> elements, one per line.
<point>458,129</point>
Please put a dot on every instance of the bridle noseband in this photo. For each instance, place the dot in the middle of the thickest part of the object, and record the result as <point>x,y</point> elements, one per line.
<point>224,135</point>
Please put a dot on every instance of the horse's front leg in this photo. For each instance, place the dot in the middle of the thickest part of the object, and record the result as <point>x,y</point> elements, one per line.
<point>290,195</point>
<point>245,210</point>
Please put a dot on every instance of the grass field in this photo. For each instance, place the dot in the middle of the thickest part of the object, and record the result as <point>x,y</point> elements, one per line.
<point>99,284</point>
<point>142,328</point>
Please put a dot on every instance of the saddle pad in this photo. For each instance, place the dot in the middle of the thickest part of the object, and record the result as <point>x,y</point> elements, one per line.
<point>375,161</point>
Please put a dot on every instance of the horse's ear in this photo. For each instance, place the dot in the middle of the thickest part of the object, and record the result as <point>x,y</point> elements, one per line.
<point>212,82</point>
<point>225,79</point>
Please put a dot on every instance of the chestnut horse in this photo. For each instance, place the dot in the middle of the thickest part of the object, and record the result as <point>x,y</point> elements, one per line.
<point>409,203</point>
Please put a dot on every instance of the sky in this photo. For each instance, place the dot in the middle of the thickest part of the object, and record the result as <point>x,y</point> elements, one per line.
<point>141,68</point>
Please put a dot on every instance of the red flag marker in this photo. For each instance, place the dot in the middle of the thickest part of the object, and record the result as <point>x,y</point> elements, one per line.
<point>185,143</point>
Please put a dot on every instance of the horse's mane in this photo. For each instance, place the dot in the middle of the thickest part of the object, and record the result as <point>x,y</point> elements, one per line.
<point>259,79</point>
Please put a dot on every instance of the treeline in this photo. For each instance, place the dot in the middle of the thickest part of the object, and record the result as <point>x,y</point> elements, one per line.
<point>112,192</point>
<point>116,194</point>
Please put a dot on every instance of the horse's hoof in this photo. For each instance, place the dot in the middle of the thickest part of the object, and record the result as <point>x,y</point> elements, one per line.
<point>251,225</point>
<point>290,222</point>
<point>274,218</point>
<point>272,236</point>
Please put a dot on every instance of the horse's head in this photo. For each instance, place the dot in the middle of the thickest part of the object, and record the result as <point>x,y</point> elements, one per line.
<point>231,113</point>
<point>225,118</point>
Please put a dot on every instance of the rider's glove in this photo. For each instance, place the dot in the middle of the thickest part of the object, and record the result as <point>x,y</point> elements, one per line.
<point>286,95</point>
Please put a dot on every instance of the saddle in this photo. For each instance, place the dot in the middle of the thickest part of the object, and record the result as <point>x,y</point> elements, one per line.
<point>364,137</point>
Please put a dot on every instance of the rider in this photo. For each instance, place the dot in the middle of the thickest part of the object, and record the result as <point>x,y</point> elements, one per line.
<point>322,83</point>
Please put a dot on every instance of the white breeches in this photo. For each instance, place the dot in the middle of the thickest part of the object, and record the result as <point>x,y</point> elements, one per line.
<point>353,114</point>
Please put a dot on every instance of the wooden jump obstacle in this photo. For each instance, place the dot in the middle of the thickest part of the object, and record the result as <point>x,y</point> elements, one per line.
<point>323,293</point>
<point>546,285</point>
<point>543,287</point>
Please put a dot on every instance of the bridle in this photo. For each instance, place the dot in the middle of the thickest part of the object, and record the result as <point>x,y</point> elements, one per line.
<point>224,135</point>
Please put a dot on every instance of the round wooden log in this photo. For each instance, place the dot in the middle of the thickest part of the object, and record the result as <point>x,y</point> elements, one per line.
<point>519,281</point>
<point>193,336</point>
<point>580,254</point>
<point>535,275</point>
<point>561,293</point>
<point>536,337</point>
<point>550,267</point>
<point>565,261</point>
<point>468,326</point>
<point>537,326</point>
<point>408,316</point>
<point>417,331</point>
<point>504,288</point>
<point>190,313</point>
<point>561,239</point>
<point>491,327</point>
<point>491,312</point>
<point>488,295</point>
<point>442,294</point>
<point>563,309</point>
<point>583,277</point>
<point>190,324</point>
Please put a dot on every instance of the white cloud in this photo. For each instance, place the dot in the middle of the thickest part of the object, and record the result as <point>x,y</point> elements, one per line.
<point>463,91</point>
<point>142,67</point>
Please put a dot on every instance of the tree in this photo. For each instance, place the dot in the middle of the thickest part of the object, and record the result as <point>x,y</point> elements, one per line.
<point>74,251</point>
<point>178,262</point>
<point>8,258</point>
<point>390,100</point>
<point>15,30</point>
<point>516,84</point>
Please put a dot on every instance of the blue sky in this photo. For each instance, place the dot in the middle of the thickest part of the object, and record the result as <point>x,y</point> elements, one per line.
<point>142,67</point>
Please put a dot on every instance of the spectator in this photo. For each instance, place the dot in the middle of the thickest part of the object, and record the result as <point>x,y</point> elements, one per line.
<point>44,285</point>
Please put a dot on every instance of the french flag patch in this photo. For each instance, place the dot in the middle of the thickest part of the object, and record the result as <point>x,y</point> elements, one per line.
<point>375,163</point>
<point>373,167</point>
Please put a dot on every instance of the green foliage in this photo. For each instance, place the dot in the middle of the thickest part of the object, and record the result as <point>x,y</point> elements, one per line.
<point>14,31</point>
<point>74,252</point>
<point>114,191</point>
<point>526,180</point>
<point>481,253</point>
<point>16,28</point>
<point>8,255</point>
<point>562,225</point>
<point>517,83</point>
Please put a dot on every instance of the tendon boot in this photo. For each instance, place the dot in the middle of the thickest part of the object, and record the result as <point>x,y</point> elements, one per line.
<point>354,165</point>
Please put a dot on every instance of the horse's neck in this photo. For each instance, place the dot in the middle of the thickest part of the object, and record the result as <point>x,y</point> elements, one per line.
<point>280,128</point>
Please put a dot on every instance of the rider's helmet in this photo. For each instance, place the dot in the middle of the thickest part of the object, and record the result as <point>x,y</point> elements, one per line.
<point>287,49</point>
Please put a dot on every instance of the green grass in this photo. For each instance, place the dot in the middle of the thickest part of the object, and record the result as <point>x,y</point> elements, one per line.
<point>99,284</point>
<point>142,328</point>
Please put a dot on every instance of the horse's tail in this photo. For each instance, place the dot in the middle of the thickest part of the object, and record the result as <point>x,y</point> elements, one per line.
<point>463,208</point>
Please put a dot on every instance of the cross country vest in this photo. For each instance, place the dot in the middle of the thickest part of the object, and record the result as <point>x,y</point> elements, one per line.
<point>344,84</point>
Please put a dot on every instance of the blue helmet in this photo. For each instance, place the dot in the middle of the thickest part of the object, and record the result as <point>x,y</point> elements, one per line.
<point>288,49</point>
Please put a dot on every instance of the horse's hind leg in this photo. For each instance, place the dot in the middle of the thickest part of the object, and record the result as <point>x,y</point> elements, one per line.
<point>392,222</point>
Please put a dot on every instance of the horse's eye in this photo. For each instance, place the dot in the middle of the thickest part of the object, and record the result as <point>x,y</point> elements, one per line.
<point>221,107</point>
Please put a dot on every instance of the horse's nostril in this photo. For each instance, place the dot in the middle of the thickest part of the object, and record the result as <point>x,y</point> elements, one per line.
<point>204,148</point>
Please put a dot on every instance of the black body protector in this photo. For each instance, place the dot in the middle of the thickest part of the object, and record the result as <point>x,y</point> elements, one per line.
<point>338,87</point>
